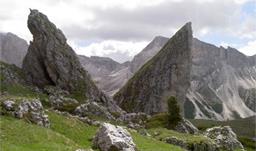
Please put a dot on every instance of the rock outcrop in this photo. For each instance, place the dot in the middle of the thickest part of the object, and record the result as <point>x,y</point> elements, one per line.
<point>59,99</point>
<point>12,49</point>
<point>113,138</point>
<point>201,146</point>
<point>31,110</point>
<point>93,109</point>
<point>224,137</point>
<point>185,126</point>
<point>51,61</point>
<point>166,74</point>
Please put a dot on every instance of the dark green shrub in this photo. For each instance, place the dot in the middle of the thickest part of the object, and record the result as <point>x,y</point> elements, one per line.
<point>174,116</point>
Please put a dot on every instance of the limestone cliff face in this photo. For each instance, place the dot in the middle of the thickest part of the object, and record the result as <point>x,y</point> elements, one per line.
<point>166,74</point>
<point>147,53</point>
<point>110,75</point>
<point>12,49</point>
<point>223,83</point>
<point>51,61</point>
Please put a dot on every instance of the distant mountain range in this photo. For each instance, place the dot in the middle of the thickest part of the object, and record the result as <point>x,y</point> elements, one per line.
<point>220,82</point>
<point>12,49</point>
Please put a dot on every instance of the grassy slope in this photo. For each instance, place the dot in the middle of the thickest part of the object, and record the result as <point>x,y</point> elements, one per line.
<point>17,135</point>
<point>244,128</point>
<point>163,133</point>
<point>65,134</point>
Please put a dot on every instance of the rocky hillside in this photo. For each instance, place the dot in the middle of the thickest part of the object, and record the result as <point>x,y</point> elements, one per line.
<point>222,85</point>
<point>110,76</point>
<point>51,103</point>
<point>166,74</point>
<point>12,49</point>
<point>222,80</point>
<point>147,53</point>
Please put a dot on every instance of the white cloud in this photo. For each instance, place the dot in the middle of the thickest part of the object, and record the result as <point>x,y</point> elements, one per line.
<point>249,49</point>
<point>110,48</point>
<point>127,24</point>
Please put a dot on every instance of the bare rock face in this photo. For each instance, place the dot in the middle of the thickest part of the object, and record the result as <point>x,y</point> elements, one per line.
<point>51,61</point>
<point>166,74</point>
<point>223,83</point>
<point>224,137</point>
<point>12,49</point>
<point>147,53</point>
<point>113,138</point>
<point>110,75</point>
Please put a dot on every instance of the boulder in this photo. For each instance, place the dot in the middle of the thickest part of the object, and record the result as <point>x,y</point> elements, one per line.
<point>93,109</point>
<point>31,110</point>
<point>8,105</point>
<point>224,137</point>
<point>185,126</point>
<point>113,138</point>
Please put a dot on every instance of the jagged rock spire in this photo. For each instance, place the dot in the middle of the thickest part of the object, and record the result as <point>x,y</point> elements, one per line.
<point>166,74</point>
<point>51,61</point>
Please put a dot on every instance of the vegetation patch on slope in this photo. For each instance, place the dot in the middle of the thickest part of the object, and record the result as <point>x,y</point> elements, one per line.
<point>64,134</point>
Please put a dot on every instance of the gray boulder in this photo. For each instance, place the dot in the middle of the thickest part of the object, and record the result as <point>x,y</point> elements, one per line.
<point>185,126</point>
<point>113,138</point>
<point>8,105</point>
<point>31,110</point>
<point>224,137</point>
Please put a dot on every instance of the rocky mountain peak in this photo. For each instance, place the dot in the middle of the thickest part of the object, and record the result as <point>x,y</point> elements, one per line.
<point>51,61</point>
<point>40,26</point>
<point>166,74</point>
<point>147,53</point>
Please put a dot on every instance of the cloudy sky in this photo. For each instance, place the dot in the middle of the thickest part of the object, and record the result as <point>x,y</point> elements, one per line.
<point>121,28</point>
